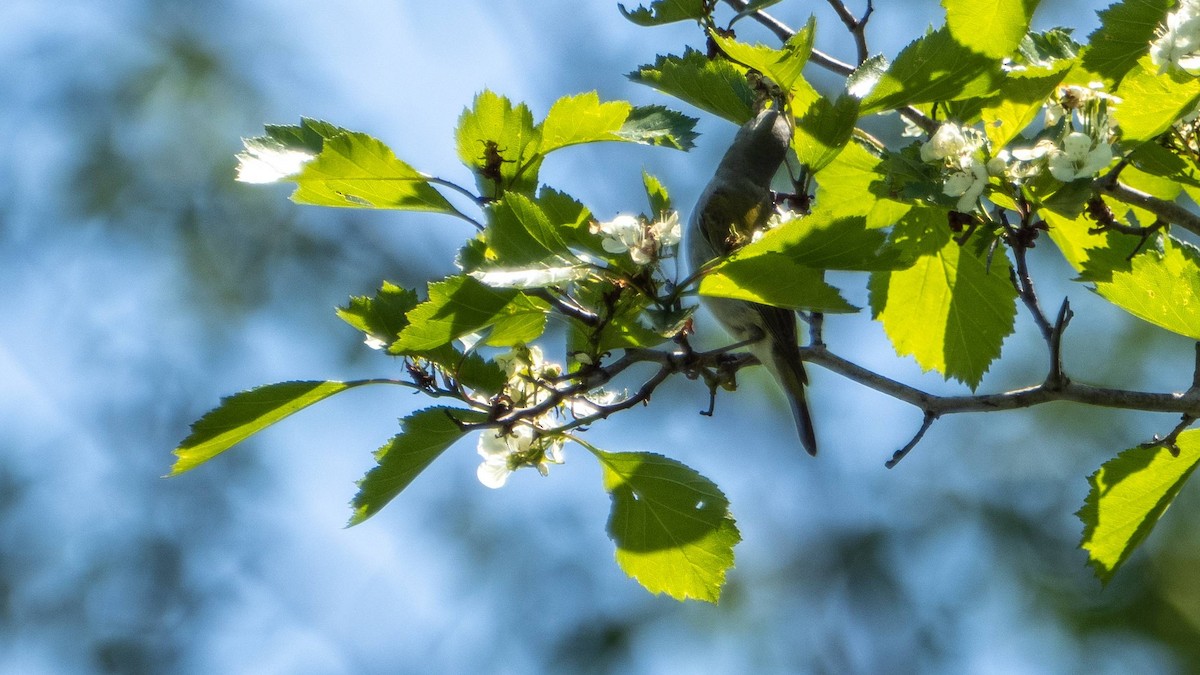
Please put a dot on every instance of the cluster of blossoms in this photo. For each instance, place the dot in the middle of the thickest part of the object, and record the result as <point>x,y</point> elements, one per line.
<point>1177,44</point>
<point>1085,114</point>
<point>529,383</point>
<point>644,241</point>
<point>961,153</point>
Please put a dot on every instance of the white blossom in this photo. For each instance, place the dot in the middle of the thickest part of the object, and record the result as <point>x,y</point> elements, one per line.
<point>1079,156</point>
<point>1178,39</point>
<point>667,231</point>
<point>967,183</point>
<point>643,242</point>
<point>951,141</point>
<point>504,453</point>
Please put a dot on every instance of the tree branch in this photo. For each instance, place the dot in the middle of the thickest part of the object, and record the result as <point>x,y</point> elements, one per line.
<point>1169,211</point>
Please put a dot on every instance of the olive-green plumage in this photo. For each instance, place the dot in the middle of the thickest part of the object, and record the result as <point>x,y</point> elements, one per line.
<point>737,202</point>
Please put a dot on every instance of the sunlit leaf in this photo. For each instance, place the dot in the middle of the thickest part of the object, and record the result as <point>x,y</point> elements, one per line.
<point>246,413</point>
<point>782,66</point>
<point>933,68</point>
<point>1021,99</point>
<point>774,279</point>
<point>660,126</point>
<point>849,186</point>
<point>991,27</point>
<point>672,526</point>
<point>1124,36</point>
<point>950,310</point>
<point>664,11</point>
<point>713,85</point>
<point>1150,102</point>
<point>497,140</point>
<point>381,317</point>
<point>1129,494</point>
<point>1162,287</point>
<point>822,241</point>
<point>461,304</point>
<point>425,435</point>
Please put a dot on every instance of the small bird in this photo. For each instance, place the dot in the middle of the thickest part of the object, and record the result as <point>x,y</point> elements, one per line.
<point>736,202</point>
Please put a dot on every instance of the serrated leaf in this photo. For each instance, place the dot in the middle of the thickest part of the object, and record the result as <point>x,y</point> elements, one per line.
<point>1159,161</point>
<point>426,434</point>
<point>519,234</point>
<point>671,525</point>
<point>1151,103</point>
<point>823,128</point>
<point>991,27</point>
<point>774,279</point>
<point>1124,36</point>
<point>782,66</point>
<point>582,118</point>
<point>357,171</point>
<point>664,11</point>
<point>660,126</point>
<point>460,305</point>
<point>1020,100</point>
<point>1041,50</point>
<point>715,86</point>
<point>850,184</point>
<point>1128,495</point>
<point>1161,287</point>
<point>1095,255</point>
<point>933,68</point>
<point>572,218</point>
<point>656,194</point>
<point>950,310</point>
<point>497,139</point>
<point>822,241</point>
<point>623,328</point>
<point>246,413</point>
<point>381,317</point>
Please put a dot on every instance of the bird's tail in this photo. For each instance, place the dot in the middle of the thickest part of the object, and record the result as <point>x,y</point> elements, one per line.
<point>788,369</point>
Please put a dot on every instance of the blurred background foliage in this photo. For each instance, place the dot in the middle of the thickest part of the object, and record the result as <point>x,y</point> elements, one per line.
<point>139,284</point>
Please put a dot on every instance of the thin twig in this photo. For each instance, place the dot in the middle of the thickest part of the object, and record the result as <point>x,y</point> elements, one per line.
<point>900,454</point>
<point>855,25</point>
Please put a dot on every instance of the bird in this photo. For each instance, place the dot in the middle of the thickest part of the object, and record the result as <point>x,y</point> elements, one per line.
<point>735,203</point>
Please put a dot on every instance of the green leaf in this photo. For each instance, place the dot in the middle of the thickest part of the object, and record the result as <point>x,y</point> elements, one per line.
<point>933,68</point>
<point>582,118</point>
<point>782,66</point>
<point>494,137</point>
<point>425,435</point>
<point>1161,287</point>
<point>1159,161</point>
<point>622,329</point>
<point>822,241</point>
<point>950,310</point>
<point>1124,36</point>
<point>383,316</point>
<point>1129,494</point>
<point>993,28</point>
<point>774,279</point>
<point>660,201</point>
<point>823,128</point>
<point>1041,50</point>
<point>519,233</point>
<point>664,11</point>
<point>660,126</point>
<point>246,413</point>
<point>1094,254</point>
<point>1020,100</point>
<point>460,305</point>
<point>355,170</point>
<point>1151,102</point>
<point>572,219</point>
<point>848,186</point>
<point>672,526</point>
<point>715,86</point>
